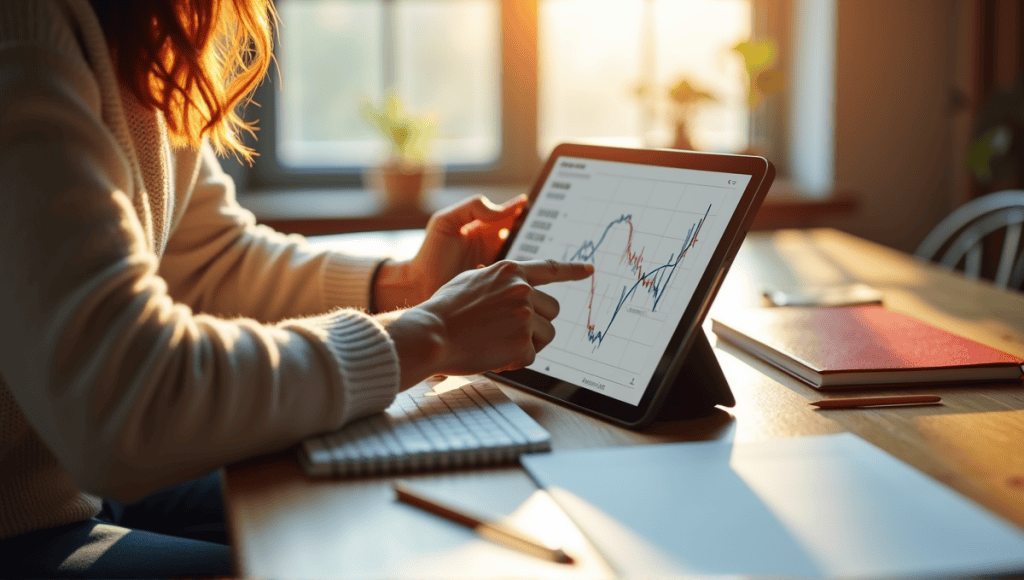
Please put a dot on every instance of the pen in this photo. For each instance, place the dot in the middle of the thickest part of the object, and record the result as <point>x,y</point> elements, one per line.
<point>876,401</point>
<point>493,531</point>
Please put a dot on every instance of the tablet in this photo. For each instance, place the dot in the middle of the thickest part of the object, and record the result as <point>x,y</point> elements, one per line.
<point>661,228</point>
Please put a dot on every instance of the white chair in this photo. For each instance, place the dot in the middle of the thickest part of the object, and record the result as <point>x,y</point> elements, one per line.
<point>962,237</point>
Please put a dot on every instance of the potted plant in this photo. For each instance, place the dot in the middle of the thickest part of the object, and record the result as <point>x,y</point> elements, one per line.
<point>405,174</point>
<point>996,153</point>
<point>684,99</point>
<point>764,78</point>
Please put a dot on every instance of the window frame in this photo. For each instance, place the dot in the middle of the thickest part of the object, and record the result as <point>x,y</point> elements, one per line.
<point>769,122</point>
<point>518,159</point>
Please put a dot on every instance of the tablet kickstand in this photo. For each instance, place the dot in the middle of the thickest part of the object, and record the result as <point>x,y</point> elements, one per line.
<point>699,386</point>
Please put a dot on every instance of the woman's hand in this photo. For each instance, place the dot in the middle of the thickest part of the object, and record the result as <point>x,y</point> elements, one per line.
<point>487,319</point>
<point>459,238</point>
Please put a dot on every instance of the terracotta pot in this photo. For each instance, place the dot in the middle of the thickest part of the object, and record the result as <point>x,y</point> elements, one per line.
<point>403,189</point>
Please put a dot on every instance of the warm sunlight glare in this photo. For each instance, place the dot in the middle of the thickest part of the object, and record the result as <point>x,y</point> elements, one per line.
<point>595,55</point>
<point>448,384</point>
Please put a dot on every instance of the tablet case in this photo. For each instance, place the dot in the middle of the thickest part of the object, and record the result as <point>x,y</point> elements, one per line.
<point>699,386</point>
<point>697,389</point>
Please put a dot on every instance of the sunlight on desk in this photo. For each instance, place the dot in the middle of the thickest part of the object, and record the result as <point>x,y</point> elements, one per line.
<point>986,445</point>
<point>807,261</point>
<point>539,516</point>
<point>809,507</point>
<point>397,244</point>
<point>356,528</point>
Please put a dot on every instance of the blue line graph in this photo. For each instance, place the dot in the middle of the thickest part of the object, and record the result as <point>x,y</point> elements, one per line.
<point>589,248</point>
<point>655,281</point>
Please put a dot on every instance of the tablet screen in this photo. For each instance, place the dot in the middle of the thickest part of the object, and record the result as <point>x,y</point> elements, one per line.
<point>650,231</point>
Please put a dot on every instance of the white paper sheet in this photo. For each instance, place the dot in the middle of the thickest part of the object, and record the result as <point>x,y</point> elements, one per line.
<point>808,507</point>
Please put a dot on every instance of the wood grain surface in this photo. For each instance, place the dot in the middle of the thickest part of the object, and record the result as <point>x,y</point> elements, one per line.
<point>286,525</point>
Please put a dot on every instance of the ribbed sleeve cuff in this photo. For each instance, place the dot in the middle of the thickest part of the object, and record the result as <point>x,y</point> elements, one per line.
<point>347,280</point>
<point>367,362</point>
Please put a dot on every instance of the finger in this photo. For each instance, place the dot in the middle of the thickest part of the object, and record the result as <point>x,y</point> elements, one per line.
<point>527,357</point>
<point>543,332</point>
<point>454,219</point>
<point>498,228</point>
<point>480,208</point>
<point>477,228</point>
<point>491,228</point>
<point>544,304</point>
<point>539,272</point>
<point>516,202</point>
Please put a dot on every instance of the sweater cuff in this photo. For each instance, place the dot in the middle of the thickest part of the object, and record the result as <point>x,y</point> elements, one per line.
<point>347,281</point>
<point>367,362</point>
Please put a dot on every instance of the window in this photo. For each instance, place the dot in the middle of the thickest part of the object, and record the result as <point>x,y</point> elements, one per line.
<point>505,79</point>
<point>597,54</point>
<point>442,55</point>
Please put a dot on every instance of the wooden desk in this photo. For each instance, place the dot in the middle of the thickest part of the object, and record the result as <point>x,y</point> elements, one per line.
<point>286,526</point>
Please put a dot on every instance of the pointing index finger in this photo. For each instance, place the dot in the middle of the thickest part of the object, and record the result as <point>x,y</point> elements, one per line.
<point>539,272</point>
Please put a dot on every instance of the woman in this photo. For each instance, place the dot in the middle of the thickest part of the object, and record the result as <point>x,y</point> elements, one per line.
<point>150,331</point>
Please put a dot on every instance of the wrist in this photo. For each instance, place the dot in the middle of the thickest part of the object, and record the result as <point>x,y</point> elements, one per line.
<point>419,340</point>
<point>394,286</point>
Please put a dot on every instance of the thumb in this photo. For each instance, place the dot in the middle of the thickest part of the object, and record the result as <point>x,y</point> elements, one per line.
<point>478,212</point>
<point>483,209</point>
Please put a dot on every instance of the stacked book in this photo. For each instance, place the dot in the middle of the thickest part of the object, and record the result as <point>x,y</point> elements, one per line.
<point>863,346</point>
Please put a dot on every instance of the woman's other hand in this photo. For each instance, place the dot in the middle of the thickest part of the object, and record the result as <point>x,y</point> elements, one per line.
<point>487,319</point>
<point>458,238</point>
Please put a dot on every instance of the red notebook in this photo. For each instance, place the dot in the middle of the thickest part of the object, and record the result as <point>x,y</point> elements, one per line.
<point>863,346</point>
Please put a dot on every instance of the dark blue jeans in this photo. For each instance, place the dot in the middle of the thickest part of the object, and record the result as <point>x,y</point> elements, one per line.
<point>176,532</point>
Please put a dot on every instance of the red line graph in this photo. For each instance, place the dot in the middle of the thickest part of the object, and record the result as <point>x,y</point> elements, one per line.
<point>590,305</point>
<point>636,261</point>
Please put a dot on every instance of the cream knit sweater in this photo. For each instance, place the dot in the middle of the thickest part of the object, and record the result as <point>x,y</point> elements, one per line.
<point>149,330</point>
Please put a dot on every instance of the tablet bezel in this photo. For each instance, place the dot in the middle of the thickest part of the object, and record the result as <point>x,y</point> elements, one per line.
<point>762,174</point>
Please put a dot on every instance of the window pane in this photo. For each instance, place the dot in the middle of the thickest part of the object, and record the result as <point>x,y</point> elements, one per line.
<point>694,41</point>
<point>330,58</point>
<point>589,54</point>
<point>448,53</point>
<point>594,54</point>
<point>446,62</point>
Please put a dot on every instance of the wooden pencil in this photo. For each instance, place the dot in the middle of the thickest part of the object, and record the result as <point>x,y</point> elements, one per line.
<point>853,403</point>
<point>493,531</point>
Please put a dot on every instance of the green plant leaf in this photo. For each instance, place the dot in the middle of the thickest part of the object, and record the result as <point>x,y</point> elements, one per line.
<point>985,151</point>
<point>685,93</point>
<point>757,55</point>
<point>408,136</point>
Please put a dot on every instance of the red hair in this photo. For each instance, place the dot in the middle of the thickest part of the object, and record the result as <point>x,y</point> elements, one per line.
<point>194,60</point>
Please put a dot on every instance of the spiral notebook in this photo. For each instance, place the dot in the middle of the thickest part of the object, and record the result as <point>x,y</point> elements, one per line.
<point>434,425</point>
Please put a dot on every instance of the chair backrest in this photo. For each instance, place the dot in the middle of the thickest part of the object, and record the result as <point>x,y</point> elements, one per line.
<point>961,237</point>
